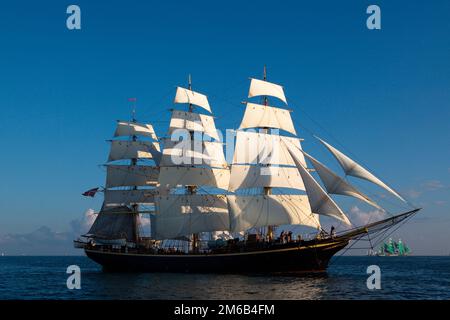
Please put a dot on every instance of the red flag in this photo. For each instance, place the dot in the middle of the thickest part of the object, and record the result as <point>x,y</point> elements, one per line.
<point>132,99</point>
<point>90,193</point>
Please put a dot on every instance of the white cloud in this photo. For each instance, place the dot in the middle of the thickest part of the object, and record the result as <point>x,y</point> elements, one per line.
<point>413,194</point>
<point>44,241</point>
<point>82,225</point>
<point>433,185</point>
<point>360,217</point>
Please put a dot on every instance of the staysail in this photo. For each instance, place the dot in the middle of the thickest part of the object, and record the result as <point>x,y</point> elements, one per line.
<point>354,169</point>
<point>334,184</point>
<point>319,200</point>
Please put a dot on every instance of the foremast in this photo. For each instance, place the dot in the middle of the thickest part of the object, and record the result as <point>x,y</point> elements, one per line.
<point>262,162</point>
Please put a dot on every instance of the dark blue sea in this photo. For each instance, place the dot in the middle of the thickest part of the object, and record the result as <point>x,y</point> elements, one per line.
<point>401,278</point>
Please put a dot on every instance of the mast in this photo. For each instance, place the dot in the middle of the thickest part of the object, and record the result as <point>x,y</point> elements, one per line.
<point>267,190</point>
<point>261,160</point>
<point>133,162</point>
<point>119,216</point>
<point>192,189</point>
<point>189,162</point>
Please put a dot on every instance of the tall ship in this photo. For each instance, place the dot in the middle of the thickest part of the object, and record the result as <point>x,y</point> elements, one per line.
<point>203,214</point>
<point>393,248</point>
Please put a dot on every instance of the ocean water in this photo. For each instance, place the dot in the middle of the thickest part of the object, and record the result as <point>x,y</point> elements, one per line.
<point>401,278</point>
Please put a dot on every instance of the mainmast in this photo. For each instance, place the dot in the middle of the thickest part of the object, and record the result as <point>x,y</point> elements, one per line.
<point>267,190</point>
<point>190,162</point>
<point>133,162</point>
<point>192,189</point>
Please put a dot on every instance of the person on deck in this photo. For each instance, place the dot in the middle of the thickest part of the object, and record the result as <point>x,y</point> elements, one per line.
<point>332,232</point>
<point>289,237</point>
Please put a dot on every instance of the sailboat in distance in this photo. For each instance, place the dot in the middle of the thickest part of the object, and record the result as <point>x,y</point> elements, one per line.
<point>207,215</point>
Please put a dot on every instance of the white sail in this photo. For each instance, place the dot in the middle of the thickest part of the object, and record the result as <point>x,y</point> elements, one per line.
<point>125,128</point>
<point>257,115</point>
<point>297,148</point>
<point>171,177</point>
<point>263,210</point>
<point>127,197</point>
<point>133,150</point>
<point>264,88</point>
<point>336,185</point>
<point>251,176</point>
<point>354,169</point>
<point>188,96</point>
<point>114,223</point>
<point>254,148</point>
<point>320,202</point>
<point>123,175</point>
<point>193,152</point>
<point>182,215</point>
<point>193,122</point>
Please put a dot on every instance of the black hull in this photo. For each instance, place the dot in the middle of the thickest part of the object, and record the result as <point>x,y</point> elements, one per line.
<point>283,259</point>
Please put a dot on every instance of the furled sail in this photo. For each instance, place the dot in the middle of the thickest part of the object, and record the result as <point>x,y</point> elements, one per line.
<point>182,215</point>
<point>263,210</point>
<point>130,175</point>
<point>129,197</point>
<point>265,88</point>
<point>133,150</point>
<point>319,200</point>
<point>257,115</point>
<point>188,96</point>
<point>354,169</point>
<point>125,128</point>
<point>193,122</point>
<point>114,223</point>
<point>251,176</point>
<point>334,184</point>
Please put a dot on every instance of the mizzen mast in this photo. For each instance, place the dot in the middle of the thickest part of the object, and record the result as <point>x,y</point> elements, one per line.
<point>130,182</point>
<point>267,190</point>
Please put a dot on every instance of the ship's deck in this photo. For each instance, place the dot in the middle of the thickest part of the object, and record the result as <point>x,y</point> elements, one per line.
<point>231,247</point>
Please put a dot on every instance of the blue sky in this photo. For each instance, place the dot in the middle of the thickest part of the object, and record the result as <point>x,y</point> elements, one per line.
<point>383,94</point>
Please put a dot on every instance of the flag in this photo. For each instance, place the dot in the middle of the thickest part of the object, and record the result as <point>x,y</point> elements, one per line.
<point>132,99</point>
<point>90,193</point>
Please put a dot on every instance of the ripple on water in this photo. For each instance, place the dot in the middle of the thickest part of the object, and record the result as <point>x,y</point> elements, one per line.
<point>402,278</point>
